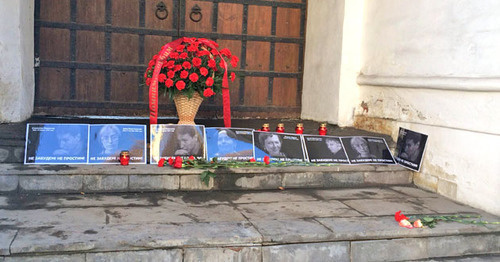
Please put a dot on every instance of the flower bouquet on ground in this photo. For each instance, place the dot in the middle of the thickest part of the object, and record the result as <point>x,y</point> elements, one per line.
<point>192,68</point>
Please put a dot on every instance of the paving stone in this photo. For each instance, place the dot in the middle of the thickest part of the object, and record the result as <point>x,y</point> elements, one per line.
<point>93,238</point>
<point>360,228</point>
<point>292,210</point>
<point>443,205</point>
<point>173,213</point>
<point>389,178</point>
<point>49,258</point>
<point>277,196</point>
<point>380,207</point>
<point>193,182</point>
<point>414,192</point>
<point>52,183</point>
<point>6,237</point>
<point>8,183</point>
<point>292,231</point>
<point>357,193</point>
<point>316,252</point>
<point>131,256</point>
<point>153,183</point>
<point>227,254</point>
<point>97,183</point>
<point>482,258</point>
<point>199,198</point>
<point>309,179</point>
<point>41,217</point>
<point>422,248</point>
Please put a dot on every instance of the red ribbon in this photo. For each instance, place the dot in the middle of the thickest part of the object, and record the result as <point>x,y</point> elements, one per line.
<point>153,88</point>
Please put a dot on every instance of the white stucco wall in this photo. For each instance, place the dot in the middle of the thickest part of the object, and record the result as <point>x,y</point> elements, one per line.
<point>432,66</point>
<point>16,63</point>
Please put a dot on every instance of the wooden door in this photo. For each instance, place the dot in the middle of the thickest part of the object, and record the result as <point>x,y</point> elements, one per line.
<point>93,53</point>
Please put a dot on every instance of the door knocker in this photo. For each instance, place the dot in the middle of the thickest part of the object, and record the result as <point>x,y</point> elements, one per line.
<point>195,14</point>
<point>161,11</point>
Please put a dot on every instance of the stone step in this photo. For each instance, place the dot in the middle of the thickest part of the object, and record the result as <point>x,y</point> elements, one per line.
<point>272,225</point>
<point>141,178</point>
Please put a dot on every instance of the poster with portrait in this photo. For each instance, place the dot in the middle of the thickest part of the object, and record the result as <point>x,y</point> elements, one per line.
<point>367,150</point>
<point>169,140</point>
<point>410,148</point>
<point>106,141</point>
<point>325,149</point>
<point>56,144</point>
<point>229,143</point>
<point>278,146</point>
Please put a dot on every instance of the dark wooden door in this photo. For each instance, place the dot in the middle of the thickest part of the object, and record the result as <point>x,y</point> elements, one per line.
<point>93,53</point>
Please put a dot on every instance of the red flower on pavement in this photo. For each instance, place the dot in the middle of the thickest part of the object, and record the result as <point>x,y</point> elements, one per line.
<point>208,92</point>
<point>252,160</point>
<point>178,162</point>
<point>193,77</point>
<point>184,74</point>
<point>210,81</point>
<point>170,161</point>
<point>162,78</point>
<point>161,162</point>
<point>191,157</point>
<point>180,85</point>
<point>203,71</point>
<point>169,83</point>
<point>398,216</point>
<point>186,65</point>
<point>267,160</point>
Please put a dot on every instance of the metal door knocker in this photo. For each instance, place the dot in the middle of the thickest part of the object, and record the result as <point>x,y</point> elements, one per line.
<point>161,11</point>
<point>195,14</point>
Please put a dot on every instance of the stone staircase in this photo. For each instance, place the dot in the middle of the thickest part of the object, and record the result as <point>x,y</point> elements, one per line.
<point>295,213</point>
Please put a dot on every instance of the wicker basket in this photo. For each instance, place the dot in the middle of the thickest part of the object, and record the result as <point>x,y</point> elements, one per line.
<point>187,108</point>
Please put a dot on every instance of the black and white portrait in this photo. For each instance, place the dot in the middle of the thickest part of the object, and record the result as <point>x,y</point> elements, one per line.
<point>169,140</point>
<point>410,148</point>
<point>229,143</point>
<point>367,150</point>
<point>108,140</point>
<point>325,149</point>
<point>278,146</point>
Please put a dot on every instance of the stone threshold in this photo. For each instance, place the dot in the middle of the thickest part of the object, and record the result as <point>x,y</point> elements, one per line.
<point>19,178</point>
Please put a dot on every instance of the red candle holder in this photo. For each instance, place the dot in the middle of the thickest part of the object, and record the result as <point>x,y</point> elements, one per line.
<point>322,130</point>
<point>124,158</point>
<point>299,129</point>
<point>280,128</point>
<point>265,128</point>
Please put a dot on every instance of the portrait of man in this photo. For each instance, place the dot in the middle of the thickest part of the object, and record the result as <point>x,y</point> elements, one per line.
<point>189,141</point>
<point>367,150</point>
<point>278,146</point>
<point>410,148</point>
<point>108,140</point>
<point>169,140</point>
<point>324,149</point>
<point>229,143</point>
<point>56,144</point>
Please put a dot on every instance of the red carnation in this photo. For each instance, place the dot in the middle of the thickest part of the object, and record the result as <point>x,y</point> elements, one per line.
<point>174,55</point>
<point>191,157</point>
<point>233,76</point>
<point>211,63</point>
<point>162,78</point>
<point>169,82</point>
<point>183,55</point>
<point>252,160</point>
<point>398,216</point>
<point>193,48</point>
<point>193,77</point>
<point>234,61</point>
<point>170,74</point>
<point>151,63</point>
<point>178,162</point>
<point>161,162</point>
<point>170,64</point>
<point>146,74</point>
<point>267,160</point>
<point>180,85</point>
<point>170,161</point>
<point>155,57</point>
<point>177,68</point>
<point>184,74</point>
<point>203,71</point>
<point>210,81</point>
<point>225,52</point>
<point>180,48</point>
<point>208,92</point>
<point>222,63</point>
<point>186,65</point>
<point>196,61</point>
<point>148,81</point>
<point>214,51</point>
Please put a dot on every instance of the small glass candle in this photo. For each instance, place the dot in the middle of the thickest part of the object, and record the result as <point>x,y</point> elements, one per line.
<point>265,128</point>
<point>299,129</point>
<point>124,158</point>
<point>280,128</point>
<point>322,129</point>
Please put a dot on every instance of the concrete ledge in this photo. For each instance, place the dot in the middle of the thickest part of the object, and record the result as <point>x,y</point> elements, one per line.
<point>135,178</point>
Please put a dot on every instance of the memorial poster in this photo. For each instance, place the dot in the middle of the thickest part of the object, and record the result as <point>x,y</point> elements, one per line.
<point>168,140</point>
<point>229,143</point>
<point>410,148</point>
<point>278,146</point>
<point>367,150</point>
<point>325,149</point>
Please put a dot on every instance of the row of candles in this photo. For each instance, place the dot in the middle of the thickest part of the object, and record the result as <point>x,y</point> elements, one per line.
<point>299,129</point>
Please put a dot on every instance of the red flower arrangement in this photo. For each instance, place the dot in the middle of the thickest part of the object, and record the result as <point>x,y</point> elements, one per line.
<point>193,65</point>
